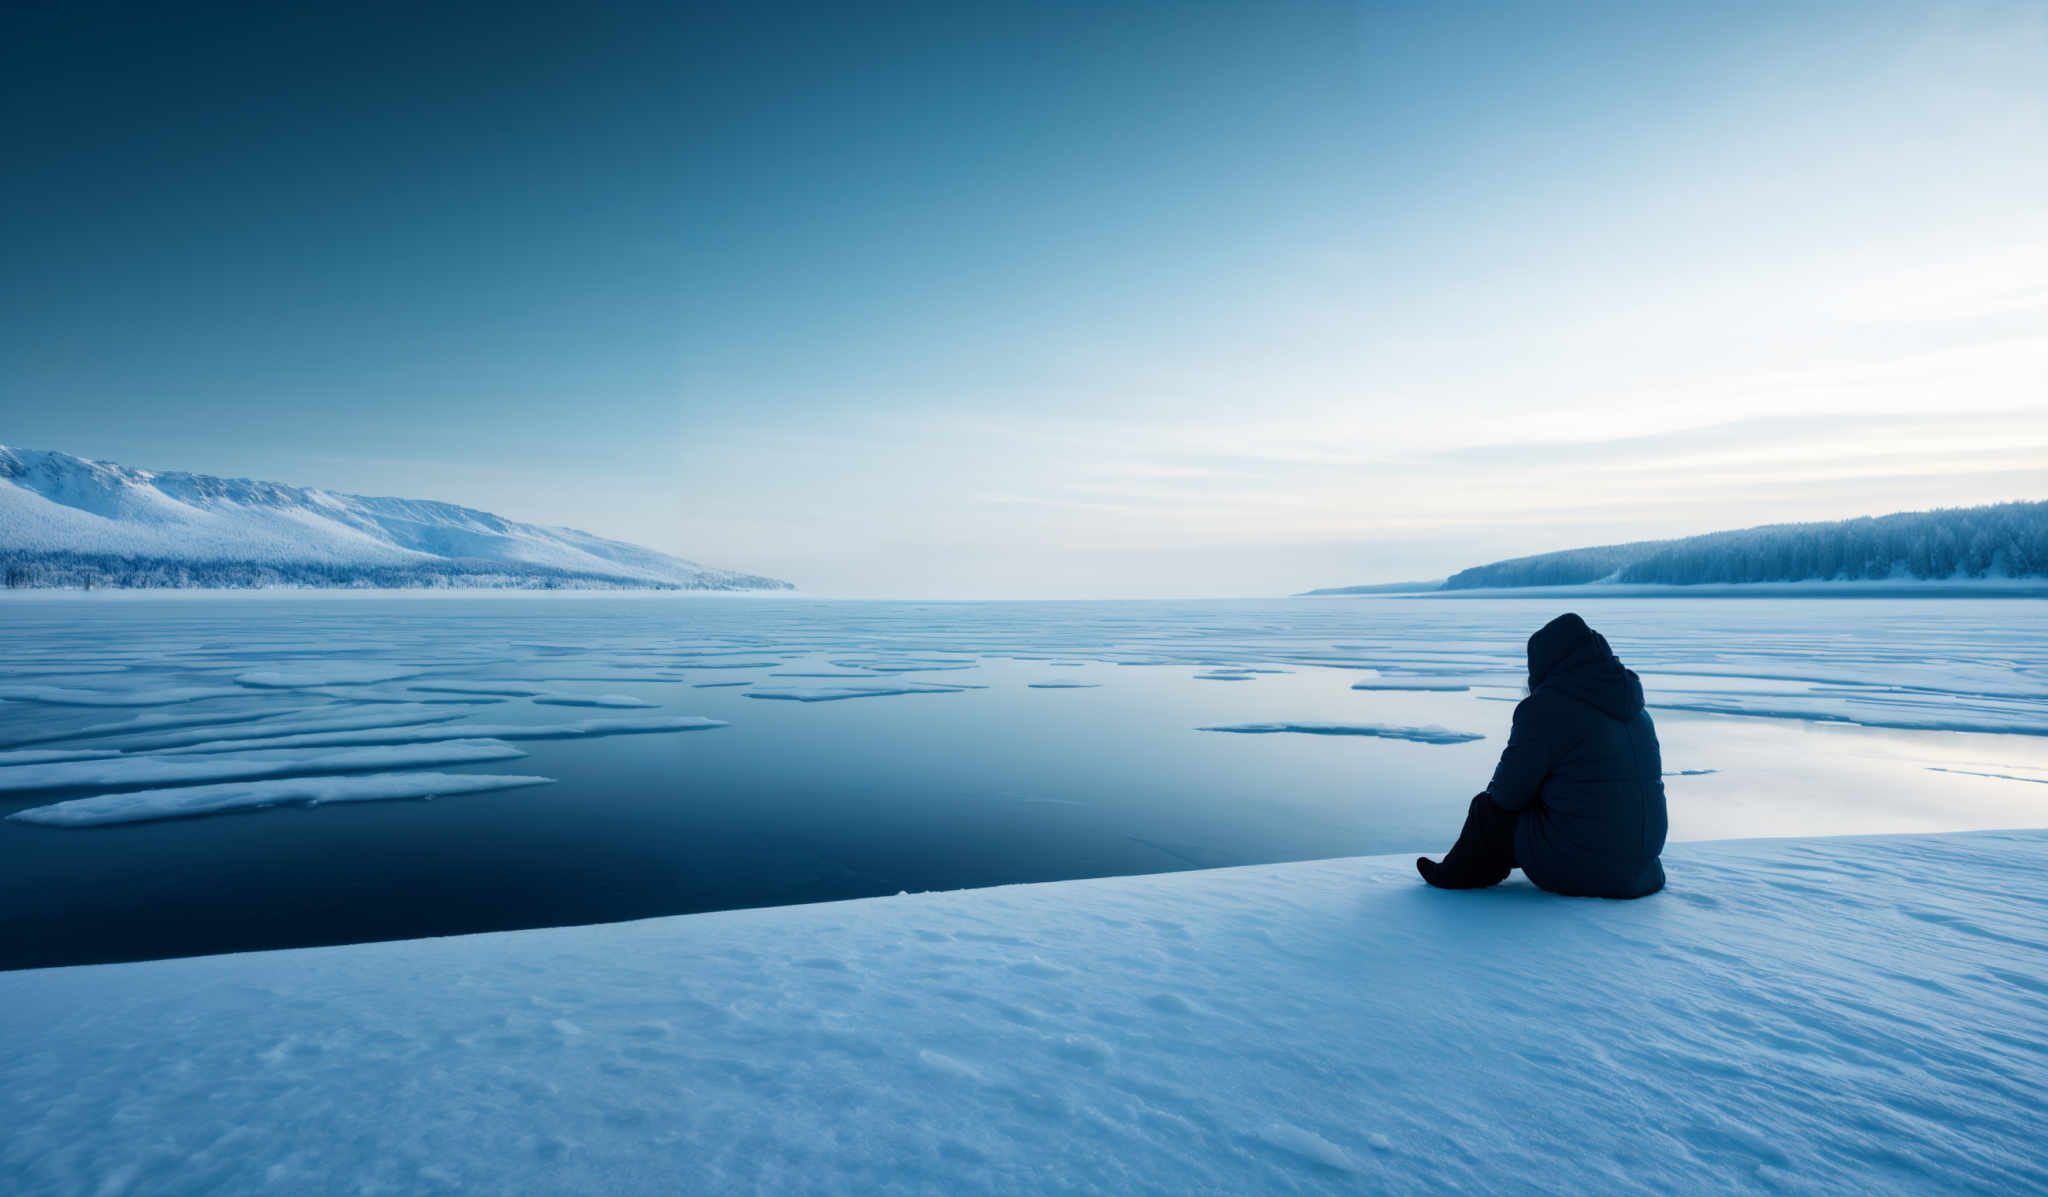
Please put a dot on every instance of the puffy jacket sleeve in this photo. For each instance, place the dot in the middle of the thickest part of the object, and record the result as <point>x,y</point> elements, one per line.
<point>1532,751</point>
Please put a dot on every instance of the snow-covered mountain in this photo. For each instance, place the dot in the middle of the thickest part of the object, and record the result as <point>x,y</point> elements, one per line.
<point>64,519</point>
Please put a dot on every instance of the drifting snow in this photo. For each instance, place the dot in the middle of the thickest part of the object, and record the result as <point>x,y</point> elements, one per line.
<point>1851,1015</point>
<point>177,770</point>
<point>147,806</point>
<point>1431,734</point>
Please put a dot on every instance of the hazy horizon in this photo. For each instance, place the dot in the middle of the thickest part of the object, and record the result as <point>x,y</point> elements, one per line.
<point>1136,300</point>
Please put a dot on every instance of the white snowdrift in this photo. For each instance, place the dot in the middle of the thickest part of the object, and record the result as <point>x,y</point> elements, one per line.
<point>1846,1015</point>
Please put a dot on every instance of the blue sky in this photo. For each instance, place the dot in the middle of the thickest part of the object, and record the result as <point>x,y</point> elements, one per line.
<point>1094,299</point>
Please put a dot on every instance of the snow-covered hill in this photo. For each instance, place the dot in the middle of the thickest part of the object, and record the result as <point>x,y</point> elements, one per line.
<point>1790,1016</point>
<point>63,518</point>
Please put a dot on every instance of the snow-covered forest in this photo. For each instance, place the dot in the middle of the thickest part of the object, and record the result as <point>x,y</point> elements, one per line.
<point>2008,540</point>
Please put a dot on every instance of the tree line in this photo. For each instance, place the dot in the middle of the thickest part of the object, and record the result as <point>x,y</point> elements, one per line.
<point>2003,540</point>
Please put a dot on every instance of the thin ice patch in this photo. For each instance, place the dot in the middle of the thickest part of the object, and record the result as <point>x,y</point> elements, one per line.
<point>612,701</point>
<point>580,729</point>
<point>1430,734</point>
<point>180,770</point>
<point>835,693</point>
<point>326,673</point>
<point>155,696</point>
<point>43,756</point>
<point>346,720</point>
<point>145,806</point>
<point>150,723</point>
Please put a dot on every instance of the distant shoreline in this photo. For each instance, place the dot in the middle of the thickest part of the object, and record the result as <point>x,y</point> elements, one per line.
<point>2019,588</point>
<point>47,593</point>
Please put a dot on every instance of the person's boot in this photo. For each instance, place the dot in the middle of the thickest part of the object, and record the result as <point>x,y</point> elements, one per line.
<point>1453,873</point>
<point>1483,855</point>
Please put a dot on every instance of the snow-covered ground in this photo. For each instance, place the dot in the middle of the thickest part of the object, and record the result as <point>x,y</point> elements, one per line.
<point>1828,1015</point>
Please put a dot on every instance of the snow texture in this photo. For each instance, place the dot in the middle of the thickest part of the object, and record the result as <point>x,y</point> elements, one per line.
<point>1431,734</point>
<point>147,806</point>
<point>180,770</point>
<point>1809,1016</point>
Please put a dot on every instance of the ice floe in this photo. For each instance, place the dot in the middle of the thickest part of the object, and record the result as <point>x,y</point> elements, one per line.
<point>1065,685</point>
<point>158,722</point>
<point>147,696</point>
<point>326,673</point>
<point>43,756</point>
<point>123,770</point>
<point>579,729</point>
<point>1446,687</point>
<point>484,689</point>
<point>1430,734</point>
<point>145,806</point>
<point>614,701</point>
<point>321,719</point>
<point>834,693</point>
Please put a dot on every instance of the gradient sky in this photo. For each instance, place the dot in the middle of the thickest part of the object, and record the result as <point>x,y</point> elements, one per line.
<point>1043,299</point>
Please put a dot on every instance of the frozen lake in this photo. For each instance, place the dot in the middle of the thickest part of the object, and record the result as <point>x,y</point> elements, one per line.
<point>634,756</point>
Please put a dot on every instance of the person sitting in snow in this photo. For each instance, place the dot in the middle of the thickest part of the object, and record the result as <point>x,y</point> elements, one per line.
<point>1577,800</point>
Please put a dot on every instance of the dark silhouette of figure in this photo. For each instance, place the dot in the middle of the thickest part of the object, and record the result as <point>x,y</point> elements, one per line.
<point>1577,800</point>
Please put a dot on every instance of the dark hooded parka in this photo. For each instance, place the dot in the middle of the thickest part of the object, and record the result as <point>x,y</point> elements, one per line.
<point>1583,769</point>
